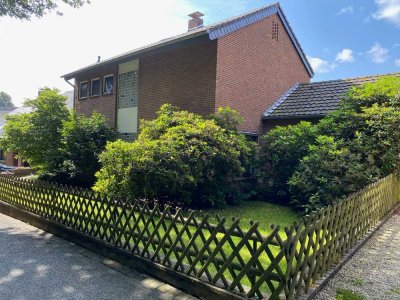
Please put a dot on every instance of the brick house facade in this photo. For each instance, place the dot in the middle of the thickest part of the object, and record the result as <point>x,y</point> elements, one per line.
<point>245,63</point>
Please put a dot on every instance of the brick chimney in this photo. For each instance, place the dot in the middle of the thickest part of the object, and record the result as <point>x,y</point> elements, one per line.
<point>196,21</point>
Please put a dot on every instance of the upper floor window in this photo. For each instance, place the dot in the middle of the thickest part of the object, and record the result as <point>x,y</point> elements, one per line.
<point>108,84</point>
<point>83,89</point>
<point>95,87</point>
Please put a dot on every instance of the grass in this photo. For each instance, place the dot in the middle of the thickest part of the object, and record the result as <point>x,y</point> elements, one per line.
<point>344,294</point>
<point>395,291</point>
<point>263,212</point>
<point>358,282</point>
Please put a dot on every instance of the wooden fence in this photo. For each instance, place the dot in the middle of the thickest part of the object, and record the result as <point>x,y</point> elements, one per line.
<point>283,264</point>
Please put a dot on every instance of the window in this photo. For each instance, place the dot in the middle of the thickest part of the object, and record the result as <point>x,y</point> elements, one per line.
<point>95,88</point>
<point>108,84</point>
<point>83,89</point>
<point>275,31</point>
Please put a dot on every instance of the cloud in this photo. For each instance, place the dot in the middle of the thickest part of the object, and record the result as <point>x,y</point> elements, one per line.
<point>321,66</point>
<point>346,55</point>
<point>378,54</point>
<point>388,10</point>
<point>345,10</point>
<point>397,62</point>
<point>396,45</point>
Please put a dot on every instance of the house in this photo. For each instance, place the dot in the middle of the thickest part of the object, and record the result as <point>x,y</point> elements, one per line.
<point>9,158</point>
<point>246,62</point>
<point>311,101</point>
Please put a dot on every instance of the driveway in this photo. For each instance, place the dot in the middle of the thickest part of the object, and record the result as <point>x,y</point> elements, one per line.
<point>374,271</point>
<point>37,265</point>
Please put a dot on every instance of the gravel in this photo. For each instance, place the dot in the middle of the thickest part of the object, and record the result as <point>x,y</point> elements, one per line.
<point>373,272</point>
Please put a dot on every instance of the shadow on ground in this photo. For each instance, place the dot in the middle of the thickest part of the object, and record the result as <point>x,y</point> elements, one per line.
<point>36,265</point>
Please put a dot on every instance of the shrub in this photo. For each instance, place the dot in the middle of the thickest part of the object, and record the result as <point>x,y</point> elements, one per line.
<point>327,173</point>
<point>280,154</point>
<point>369,114</point>
<point>178,157</point>
<point>83,139</point>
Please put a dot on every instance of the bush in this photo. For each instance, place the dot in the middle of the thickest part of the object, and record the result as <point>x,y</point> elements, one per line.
<point>83,139</point>
<point>356,145</point>
<point>327,173</point>
<point>280,154</point>
<point>179,157</point>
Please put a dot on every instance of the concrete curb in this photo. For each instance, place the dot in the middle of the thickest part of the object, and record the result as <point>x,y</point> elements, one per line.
<point>321,283</point>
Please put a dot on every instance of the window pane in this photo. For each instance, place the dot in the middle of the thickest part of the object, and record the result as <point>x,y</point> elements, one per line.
<point>83,90</point>
<point>108,85</point>
<point>96,87</point>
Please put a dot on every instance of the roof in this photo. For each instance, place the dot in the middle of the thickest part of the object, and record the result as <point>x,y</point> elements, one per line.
<point>213,31</point>
<point>316,99</point>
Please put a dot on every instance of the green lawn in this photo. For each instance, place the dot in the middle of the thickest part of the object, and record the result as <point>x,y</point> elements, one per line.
<point>263,212</point>
<point>94,215</point>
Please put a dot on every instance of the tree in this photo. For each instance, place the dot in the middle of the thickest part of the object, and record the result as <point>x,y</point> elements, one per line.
<point>83,139</point>
<point>179,157</point>
<point>36,136</point>
<point>5,100</point>
<point>24,10</point>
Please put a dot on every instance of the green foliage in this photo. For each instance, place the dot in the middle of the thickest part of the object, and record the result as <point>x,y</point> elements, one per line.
<point>24,10</point>
<point>280,154</point>
<point>356,144</point>
<point>344,294</point>
<point>37,136</point>
<point>83,139</point>
<point>327,173</point>
<point>227,118</point>
<point>5,100</point>
<point>178,157</point>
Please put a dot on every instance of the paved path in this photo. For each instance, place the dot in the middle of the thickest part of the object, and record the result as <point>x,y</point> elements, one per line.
<point>373,272</point>
<point>37,265</point>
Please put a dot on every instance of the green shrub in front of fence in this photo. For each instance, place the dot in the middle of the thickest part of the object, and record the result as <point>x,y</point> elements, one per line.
<point>282,264</point>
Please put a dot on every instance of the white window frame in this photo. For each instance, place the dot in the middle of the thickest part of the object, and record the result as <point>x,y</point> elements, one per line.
<point>91,87</point>
<point>80,89</point>
<point>104,84</point>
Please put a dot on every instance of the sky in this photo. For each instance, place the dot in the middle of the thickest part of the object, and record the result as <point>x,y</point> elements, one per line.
<point>341,38</point>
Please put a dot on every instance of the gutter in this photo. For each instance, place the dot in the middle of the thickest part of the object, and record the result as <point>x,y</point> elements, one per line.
<point>66,80</point>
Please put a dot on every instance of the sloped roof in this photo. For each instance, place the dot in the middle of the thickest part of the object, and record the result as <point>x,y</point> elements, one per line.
<point>316,99</point>
<point>213,31</point>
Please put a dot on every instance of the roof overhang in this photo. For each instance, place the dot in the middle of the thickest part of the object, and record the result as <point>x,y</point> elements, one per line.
<point>288,117</point>
<point>214,32</point>
<point>136,52</point>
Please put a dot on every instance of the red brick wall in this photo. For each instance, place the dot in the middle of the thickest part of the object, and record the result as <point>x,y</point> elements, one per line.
<point>183,75</point>
<point>104,104</point>
<point>253,70</point>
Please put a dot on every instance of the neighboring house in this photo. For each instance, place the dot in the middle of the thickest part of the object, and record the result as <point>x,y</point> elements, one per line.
<point>4,111</point>
<point>311,101</point>
<point>246,62</point>
<point>9,158</point>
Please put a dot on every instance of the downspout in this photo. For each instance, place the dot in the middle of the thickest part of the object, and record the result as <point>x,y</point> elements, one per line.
<point>73,86</point>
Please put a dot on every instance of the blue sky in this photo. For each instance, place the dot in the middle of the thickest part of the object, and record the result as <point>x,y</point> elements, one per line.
<point>365,33</point>
<point>341,38</point>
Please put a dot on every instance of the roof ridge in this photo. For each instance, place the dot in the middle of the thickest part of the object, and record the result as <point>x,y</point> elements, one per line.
<point>280,100</point>
<point>235,18</point>
<point>352,78</point>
